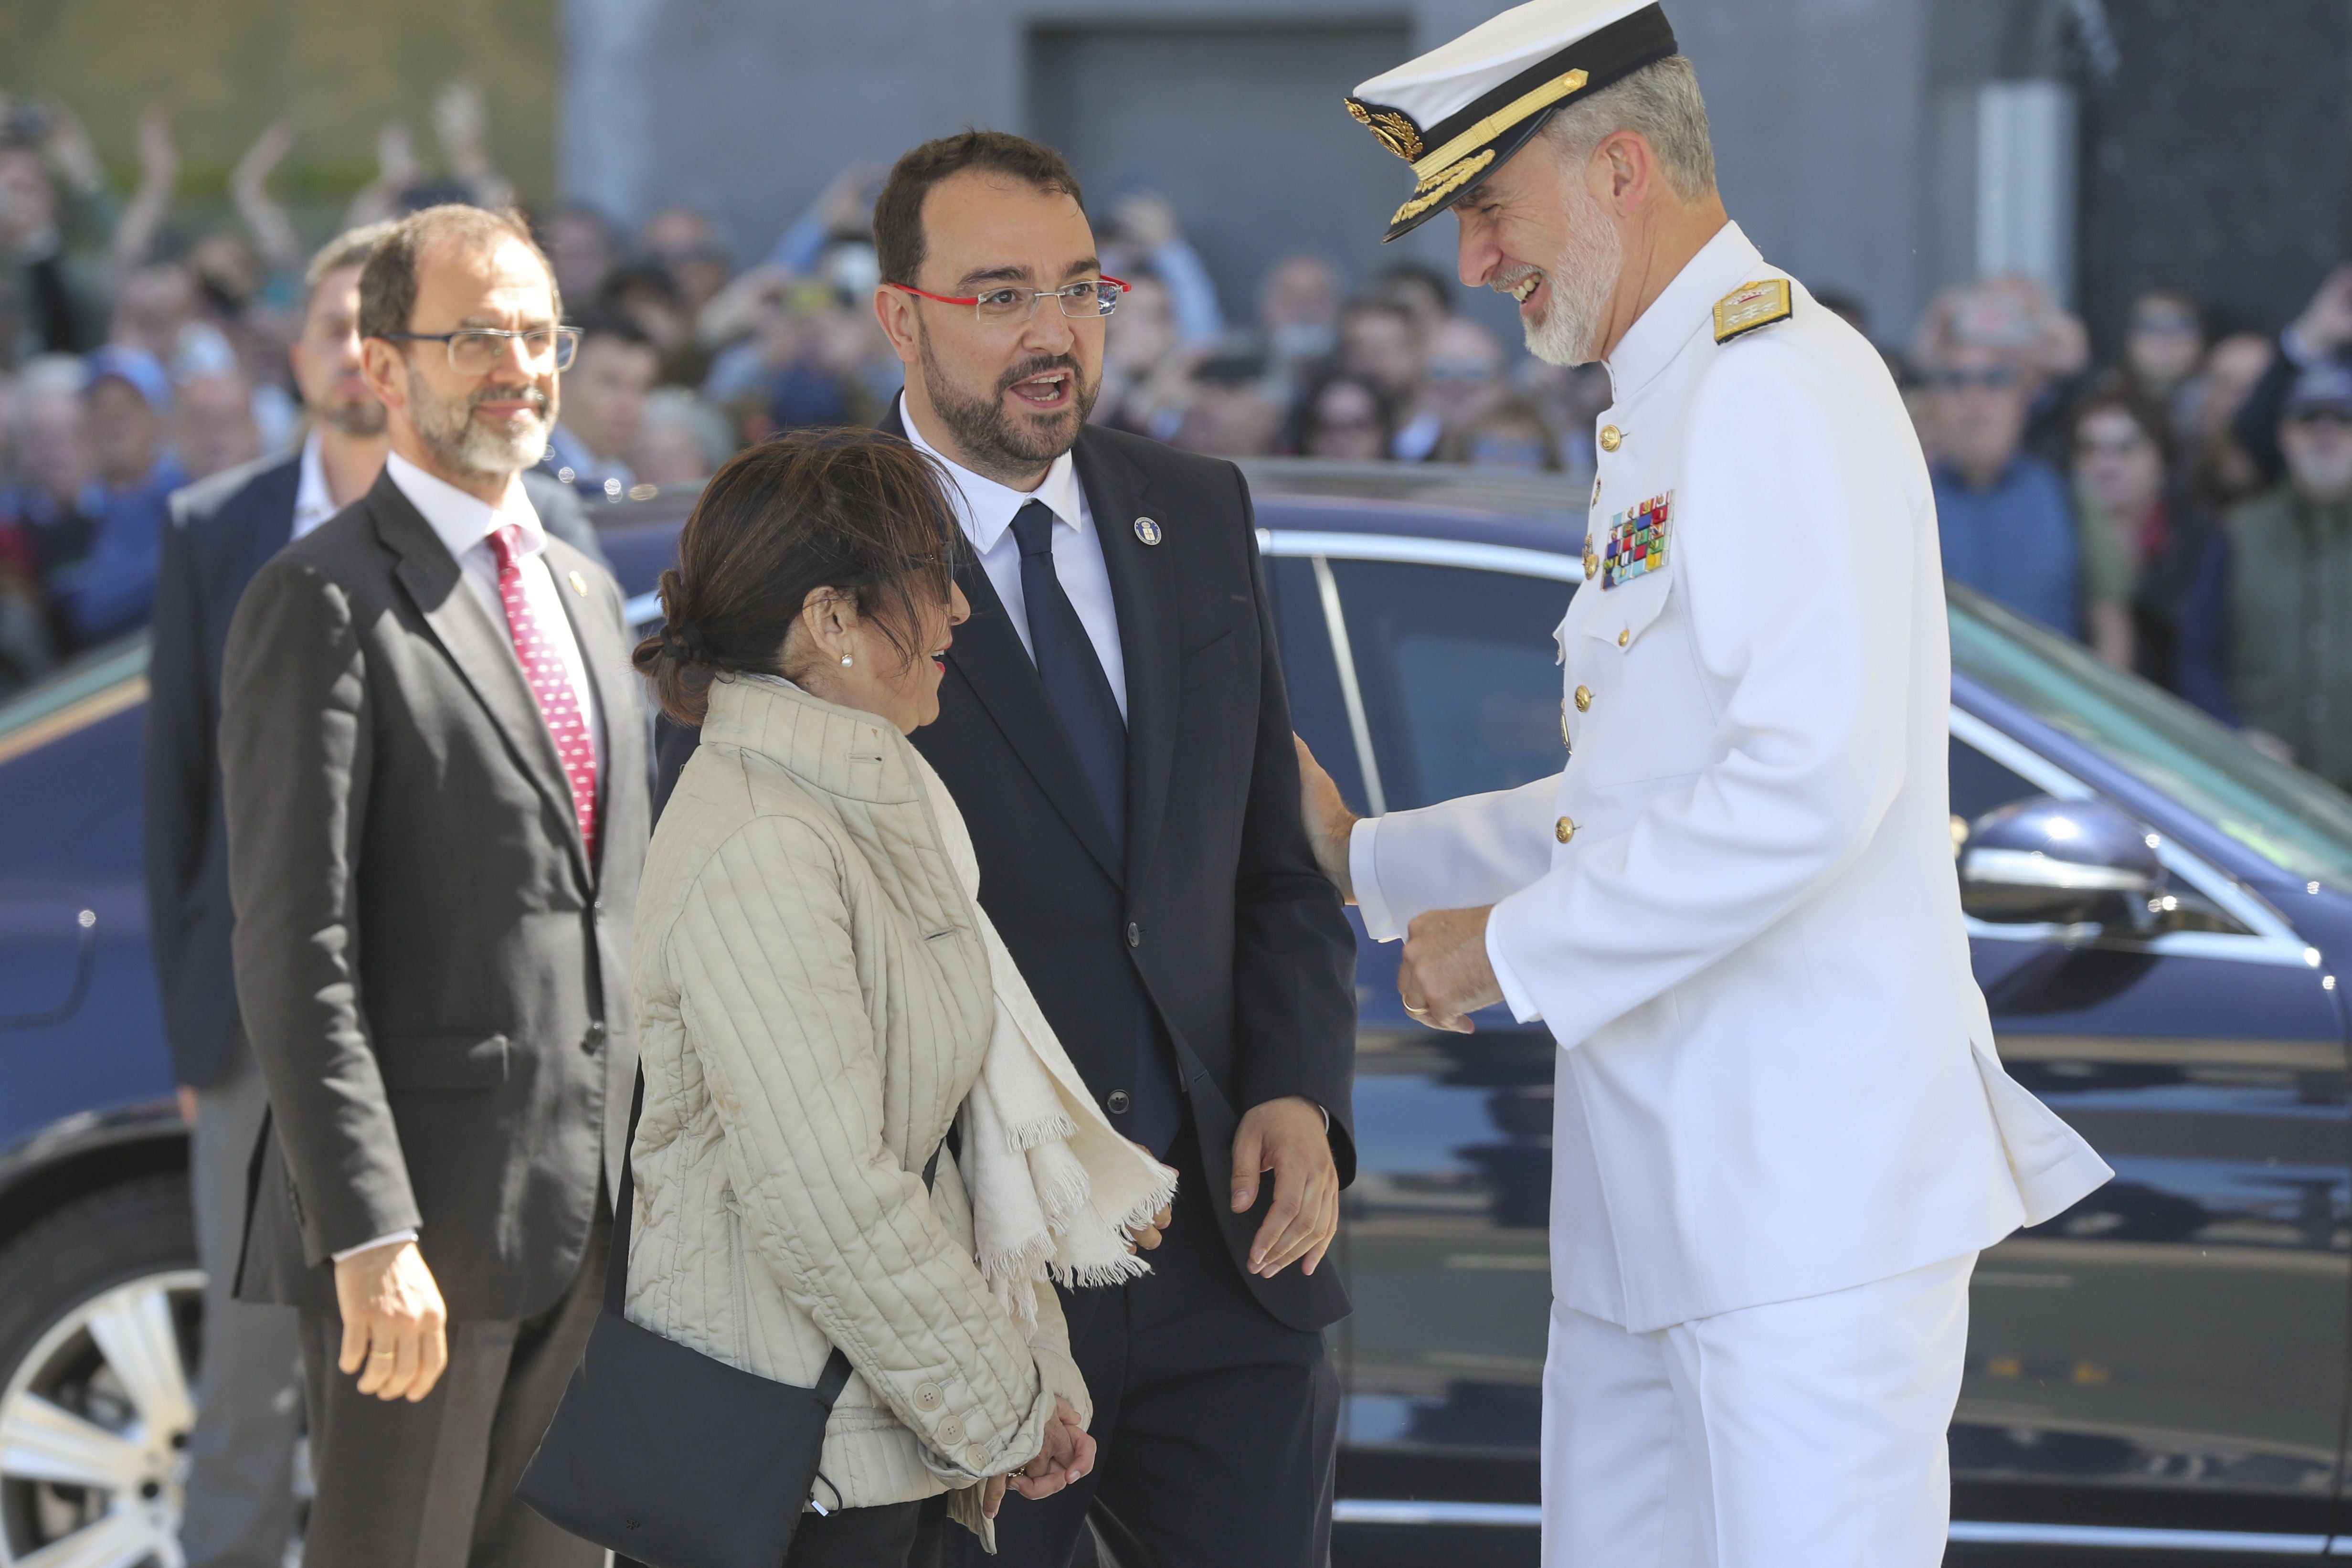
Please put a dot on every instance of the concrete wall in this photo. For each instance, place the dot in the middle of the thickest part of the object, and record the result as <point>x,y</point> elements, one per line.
<point>748,107</point>
<point>1843,128</point>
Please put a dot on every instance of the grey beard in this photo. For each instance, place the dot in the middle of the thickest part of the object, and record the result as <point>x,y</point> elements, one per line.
<point>1581,281</point>
<point>449,433</point>
<point>999,445</point>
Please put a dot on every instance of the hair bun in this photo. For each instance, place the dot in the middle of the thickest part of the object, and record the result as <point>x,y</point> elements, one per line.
<point>684,643</point>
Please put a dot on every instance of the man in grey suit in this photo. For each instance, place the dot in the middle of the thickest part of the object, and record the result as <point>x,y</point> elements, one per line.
<point>240,1499</point>
<point>240,1505</point>
<point>433,763</point>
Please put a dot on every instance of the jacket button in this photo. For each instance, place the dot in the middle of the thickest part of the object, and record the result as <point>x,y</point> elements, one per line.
<point>950,1430</point>
<point>1611,437</point>
<point>1563,830</point>
<point>1134,934</point>
<point>1584,700</point>
<point>926,1396</point>
<point>1625,637</point>
<point>976,1458</point>
<point>593,1040</point>
<point>1118,1102</point>
<point>1591,562</point>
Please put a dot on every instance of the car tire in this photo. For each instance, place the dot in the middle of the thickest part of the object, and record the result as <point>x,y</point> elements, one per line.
<point>100,1322</point>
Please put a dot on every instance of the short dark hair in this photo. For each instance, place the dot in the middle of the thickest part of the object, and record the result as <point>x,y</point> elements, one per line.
<point>852,509</point>
<point>611,323</point>
<point>899,246</point>
<point>638,278</point>
<point>2113,393</point>
<point>388,281</point>
<point>349,249</point>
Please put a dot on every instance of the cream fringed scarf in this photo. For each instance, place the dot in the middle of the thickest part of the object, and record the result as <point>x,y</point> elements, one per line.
<point>1054,1188</point>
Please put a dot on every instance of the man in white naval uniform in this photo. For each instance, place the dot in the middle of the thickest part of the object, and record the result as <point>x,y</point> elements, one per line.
<point>1782,1135</point>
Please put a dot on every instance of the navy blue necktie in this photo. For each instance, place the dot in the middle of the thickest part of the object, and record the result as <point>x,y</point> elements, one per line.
<point>1081,694</point>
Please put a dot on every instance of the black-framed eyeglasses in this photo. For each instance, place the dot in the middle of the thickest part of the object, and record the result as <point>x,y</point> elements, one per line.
<point>477,351</point>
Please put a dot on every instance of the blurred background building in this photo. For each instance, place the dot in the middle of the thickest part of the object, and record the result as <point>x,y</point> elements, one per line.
<point>2103,245</point>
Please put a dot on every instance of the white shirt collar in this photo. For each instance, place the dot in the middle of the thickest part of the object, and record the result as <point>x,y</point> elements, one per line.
<point>314,503</point>
<point>1685,307</point>
<point>987,508</point>
<point>464,521</point>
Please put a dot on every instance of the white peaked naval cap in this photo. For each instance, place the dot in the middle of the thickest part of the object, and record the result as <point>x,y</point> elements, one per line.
<point>1458,112</point>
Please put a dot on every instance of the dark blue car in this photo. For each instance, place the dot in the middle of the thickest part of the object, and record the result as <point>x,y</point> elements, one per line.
<point>2163,1366</point>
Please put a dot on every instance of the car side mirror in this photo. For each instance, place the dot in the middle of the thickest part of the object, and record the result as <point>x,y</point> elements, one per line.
<point>2043,860</point>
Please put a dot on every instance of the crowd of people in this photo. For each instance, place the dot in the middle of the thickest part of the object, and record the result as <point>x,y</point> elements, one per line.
<point>2107,502</point>
<point>2184,512</point>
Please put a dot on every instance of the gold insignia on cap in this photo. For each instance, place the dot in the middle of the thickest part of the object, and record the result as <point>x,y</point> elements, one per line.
<point>1502,120</point>
<point>1397,133</point>
<point>1431,192</point>
<point>1750,306</point>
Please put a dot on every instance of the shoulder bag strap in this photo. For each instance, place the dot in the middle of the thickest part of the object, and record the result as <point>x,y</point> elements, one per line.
<point>624,1211</point>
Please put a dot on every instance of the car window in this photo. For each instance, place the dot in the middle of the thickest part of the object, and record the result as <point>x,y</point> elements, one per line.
<point>1981,784</point>
<point>1460,677</point>
<point>1319,708</point>
<point>2290,818</point>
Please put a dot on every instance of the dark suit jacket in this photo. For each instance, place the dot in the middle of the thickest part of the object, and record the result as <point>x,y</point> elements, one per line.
<point>222,531</point>
<point>1218,915</point>
<point>434,976</point>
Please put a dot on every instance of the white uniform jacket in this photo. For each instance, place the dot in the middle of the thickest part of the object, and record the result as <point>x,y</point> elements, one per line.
<point>1735,907</point>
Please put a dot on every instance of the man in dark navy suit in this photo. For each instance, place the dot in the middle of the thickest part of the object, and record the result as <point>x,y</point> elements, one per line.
<point>1115,730</point>
<point>239,1498</point>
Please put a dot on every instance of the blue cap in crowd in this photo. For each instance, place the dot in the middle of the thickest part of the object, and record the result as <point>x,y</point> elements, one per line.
<point>2324,388</point>
<point>140,370</point>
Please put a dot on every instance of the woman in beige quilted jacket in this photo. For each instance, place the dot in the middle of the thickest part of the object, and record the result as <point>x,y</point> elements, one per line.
<point>814,1005</point>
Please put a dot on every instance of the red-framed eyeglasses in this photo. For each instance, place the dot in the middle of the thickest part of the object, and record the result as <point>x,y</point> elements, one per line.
<point>1085,300</point>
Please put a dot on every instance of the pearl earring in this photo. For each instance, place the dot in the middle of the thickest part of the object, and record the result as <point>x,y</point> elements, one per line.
<point>846,661</point>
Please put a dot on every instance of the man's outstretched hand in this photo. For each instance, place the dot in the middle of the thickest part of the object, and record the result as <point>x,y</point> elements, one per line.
<point>394,1324</point>
<point>1445,975</point>
<point>1287,1136</point>
<point>1329,823</point>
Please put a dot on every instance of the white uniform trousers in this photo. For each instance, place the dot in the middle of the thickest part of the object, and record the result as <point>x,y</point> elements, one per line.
<point>1805,1433</point>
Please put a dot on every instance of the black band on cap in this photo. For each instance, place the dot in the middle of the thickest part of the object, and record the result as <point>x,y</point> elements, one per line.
<point>1610,55</point>
<point>1604,58</point>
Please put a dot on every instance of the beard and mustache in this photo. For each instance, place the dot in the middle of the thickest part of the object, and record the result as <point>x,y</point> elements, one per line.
<point>1582,281</point>
<point>465,445</point>
<point>1002,442</point>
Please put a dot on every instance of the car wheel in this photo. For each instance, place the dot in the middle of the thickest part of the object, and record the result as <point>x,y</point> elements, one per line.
<point>101,1309</point>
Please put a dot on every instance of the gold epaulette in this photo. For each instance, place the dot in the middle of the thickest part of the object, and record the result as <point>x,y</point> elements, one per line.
<point>1750,306</point>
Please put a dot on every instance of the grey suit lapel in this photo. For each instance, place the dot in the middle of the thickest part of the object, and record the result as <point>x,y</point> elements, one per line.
<point>478,646</point>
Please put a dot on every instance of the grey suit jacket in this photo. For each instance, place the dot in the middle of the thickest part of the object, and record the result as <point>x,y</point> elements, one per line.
<point>223,529</point>
<point>432,973</point>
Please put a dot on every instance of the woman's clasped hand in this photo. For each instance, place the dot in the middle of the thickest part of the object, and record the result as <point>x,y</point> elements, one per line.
<point>1068,1456</point>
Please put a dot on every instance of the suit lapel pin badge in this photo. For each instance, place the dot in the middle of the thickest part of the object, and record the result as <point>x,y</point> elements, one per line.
<point>579,584</point>
<point>1146,530</point>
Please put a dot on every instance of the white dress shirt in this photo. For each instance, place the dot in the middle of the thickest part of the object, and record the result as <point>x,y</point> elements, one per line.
<point>985,510</point>
<point>314,503</point>
<point>464,524</point>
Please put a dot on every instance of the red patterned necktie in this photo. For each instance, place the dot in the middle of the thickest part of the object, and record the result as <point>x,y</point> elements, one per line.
<point>558,705</point>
